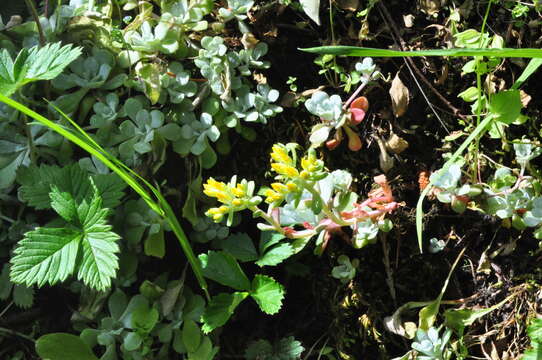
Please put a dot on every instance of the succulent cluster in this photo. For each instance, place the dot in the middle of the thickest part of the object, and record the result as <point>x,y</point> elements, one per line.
<point>510,194</point>
<point>307,200</point>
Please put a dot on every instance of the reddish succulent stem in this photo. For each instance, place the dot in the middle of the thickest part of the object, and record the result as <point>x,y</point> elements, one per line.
<point>355,94</point>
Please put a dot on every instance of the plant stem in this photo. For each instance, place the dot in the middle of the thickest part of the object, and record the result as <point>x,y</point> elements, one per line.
<point>267,218</point>
<point>35,15</point>
<point>389,271</point>
<point>16,333</point>
<point>325,208</point>
<point>364,82</point>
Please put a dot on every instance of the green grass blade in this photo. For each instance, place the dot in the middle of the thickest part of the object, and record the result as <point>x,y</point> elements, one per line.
<point>84,141</point>
<point>530,69</point>
<point>362,51</point>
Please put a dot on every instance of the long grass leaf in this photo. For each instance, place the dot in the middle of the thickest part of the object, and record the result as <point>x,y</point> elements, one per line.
<point>363,51</point>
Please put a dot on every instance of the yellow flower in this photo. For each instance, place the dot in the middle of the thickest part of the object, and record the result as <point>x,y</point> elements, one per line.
<point>280,155</point>
<point>214,188</point>
<point>291,187</point>
<point>286,170</point>
<point>280,188</point>
<point>217,213</point>
<point>272,196</point>
<point>239,191</point>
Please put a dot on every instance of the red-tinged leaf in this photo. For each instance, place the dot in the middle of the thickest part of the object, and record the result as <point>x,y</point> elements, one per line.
<point>332,144</point>
<point>356,116</point>
<point>354,142</point>
<point>360,103</point>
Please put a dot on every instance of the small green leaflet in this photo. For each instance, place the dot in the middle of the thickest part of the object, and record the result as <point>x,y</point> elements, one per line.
<point>267,293</point>
<point>219,310</point>
<point>35,64</point>
<point>285,349</point>
<point>272,251</point>
<point>276,255</point>
<point>224,269</point>
<point>86,245</point>
<point>63,346</point>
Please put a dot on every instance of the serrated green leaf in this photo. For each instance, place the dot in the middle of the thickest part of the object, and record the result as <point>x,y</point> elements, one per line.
<point>70,179</point>
<point>99,247</point>
<point>224,269</point>
<point>49,255</point>
<point>63,203</point>
<point>240,245</point>
<point>62,346</point>
<point>284,349</point>
<point>219,310</point>
<point>43,63</point>
<point>267,293</point>
<point>276,255</point>
<point>260,349</point>
<point>45,256</point>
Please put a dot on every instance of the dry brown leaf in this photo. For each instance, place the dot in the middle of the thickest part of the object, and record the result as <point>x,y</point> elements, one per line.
<point>525,98</point>
<point>408,20</point>
<point>399,96</point>
<point>396,144</point>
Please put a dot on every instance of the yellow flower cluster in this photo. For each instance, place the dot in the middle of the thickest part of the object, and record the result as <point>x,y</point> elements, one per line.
<point>234,198</point>
<point>310,165</point>
<point>284,165</point>
<point>278,192</point>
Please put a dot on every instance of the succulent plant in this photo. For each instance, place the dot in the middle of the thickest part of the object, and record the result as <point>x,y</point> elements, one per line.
<point>236,9</point>
<point>252,107</point>
<point>163,38</point>
<point>195,134</point>
<point>176,83</point>
<point>88,73</point>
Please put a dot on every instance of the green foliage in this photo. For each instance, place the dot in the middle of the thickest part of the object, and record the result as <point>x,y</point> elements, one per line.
<point>224,269</point>
<point>346,270</point>
<point>34,64</point>
<point>62,346</point>
<point>220,309</point>
<point>431,345</point>
<point>159,324</point>
<point>85,74</point>
<point>22,296</point>
<point>236,9</point>
<point>284,349</point>
<point>508,195</point>
<point>535,334</point>
<point>267,293</point>
<point>84,244</point>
